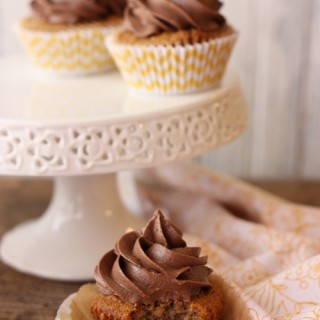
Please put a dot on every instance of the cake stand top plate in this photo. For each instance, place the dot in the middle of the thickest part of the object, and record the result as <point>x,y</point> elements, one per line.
<point>89,125</point>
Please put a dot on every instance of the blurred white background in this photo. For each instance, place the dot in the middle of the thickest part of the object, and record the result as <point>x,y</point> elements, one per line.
<point>278,59</point>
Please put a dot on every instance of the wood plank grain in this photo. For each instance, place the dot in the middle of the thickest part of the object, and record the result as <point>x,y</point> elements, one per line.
<point>311,141</point>
<point>271,60</point>
<point>298,191</point>
<point>23,297</point>
<point>1,27</point>
<point>282,41</point>
<point>235,157</point>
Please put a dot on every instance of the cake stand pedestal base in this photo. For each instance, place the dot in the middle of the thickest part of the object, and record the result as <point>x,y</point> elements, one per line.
<point>81,223</point>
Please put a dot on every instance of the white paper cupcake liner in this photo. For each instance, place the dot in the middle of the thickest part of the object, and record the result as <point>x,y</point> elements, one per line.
<point>73,52</point>
<point>161,69</point>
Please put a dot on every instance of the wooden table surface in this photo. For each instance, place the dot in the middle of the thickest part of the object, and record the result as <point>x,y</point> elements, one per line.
<point>24,297</point>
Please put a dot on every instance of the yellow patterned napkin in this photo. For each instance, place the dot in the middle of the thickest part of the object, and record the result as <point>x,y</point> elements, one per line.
<point>267,247</point>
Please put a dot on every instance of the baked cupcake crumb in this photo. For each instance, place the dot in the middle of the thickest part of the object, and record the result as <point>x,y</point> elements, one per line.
<point>205,306</point>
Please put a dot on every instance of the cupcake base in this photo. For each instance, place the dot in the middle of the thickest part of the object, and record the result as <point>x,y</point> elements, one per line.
<point>235,305</point>
<point>205,306</point>
<point>67,50</point>
<point>175,63</point>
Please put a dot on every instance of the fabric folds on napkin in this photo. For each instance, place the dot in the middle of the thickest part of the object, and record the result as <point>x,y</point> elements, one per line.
<point>267,247</point>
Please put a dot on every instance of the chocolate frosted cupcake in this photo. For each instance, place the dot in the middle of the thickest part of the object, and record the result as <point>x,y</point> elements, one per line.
<point>171,46</point>
<point>152,274</point>
<point>67,36</point>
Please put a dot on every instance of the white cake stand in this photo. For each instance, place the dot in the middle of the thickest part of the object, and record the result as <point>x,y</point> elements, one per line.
<point>81,131</point>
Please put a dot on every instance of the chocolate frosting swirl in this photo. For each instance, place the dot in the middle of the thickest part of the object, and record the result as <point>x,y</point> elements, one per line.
<point>76,11</point>
<point>153,265</point>
<point>151,17</point>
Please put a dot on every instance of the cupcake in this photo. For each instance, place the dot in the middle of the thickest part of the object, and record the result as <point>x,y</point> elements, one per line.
<point>66,37</point>
<point>153,274</point>
<point>172,47</point>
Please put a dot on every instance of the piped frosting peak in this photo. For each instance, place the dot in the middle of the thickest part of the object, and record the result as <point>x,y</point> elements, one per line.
<point>146,18</point>
<point>76,11</point>
<point>151,265</point>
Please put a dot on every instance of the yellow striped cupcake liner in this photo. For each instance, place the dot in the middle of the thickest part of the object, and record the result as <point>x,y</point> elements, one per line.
<point>74,52</point>
<point>173,69</point>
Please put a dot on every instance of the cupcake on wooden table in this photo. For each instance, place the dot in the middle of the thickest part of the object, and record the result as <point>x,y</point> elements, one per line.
<point>153,274</point>
<point>67,37</point>
<point>173,46</point>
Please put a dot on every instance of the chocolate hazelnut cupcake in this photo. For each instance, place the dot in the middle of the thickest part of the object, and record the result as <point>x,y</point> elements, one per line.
<point>171,46</point>
<point>66,37</point>
<point>152,274</point>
